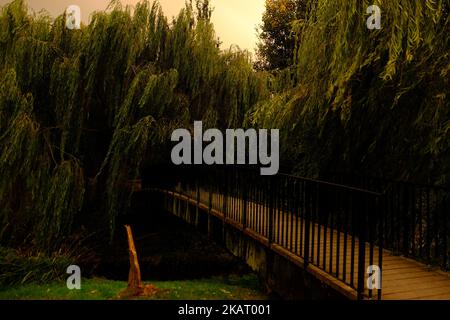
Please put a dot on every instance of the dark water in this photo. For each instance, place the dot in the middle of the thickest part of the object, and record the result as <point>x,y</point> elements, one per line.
<point>168,249</point>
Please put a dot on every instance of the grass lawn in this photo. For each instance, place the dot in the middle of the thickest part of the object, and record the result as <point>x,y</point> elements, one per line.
<point>245,287</point>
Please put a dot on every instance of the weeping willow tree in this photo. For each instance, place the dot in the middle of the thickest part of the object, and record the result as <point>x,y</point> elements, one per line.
<point>82,110</point>
<point>373,102</point>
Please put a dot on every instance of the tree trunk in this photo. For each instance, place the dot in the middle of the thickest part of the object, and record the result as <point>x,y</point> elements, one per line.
<point>134,277</point>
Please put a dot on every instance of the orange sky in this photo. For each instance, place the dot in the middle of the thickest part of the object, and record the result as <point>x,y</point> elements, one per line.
<point>234,20</point>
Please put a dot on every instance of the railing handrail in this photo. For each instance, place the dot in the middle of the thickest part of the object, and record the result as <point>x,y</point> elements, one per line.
<point>333,184</point>
<point>312,219</point>
<point>318,181</point>
<point>444,188</point>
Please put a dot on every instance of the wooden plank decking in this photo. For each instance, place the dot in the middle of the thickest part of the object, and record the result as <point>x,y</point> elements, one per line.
<point>402,278</point>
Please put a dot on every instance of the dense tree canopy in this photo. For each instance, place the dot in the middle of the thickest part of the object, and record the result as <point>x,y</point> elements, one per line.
<point>369,102</point>
<point>81,110</point>
<point>277,36</point>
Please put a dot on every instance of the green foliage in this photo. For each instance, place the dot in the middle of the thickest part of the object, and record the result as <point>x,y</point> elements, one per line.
<point>368,102</point>
<point>277,33</point>
<point>19,267</point>
<point>82,110</point>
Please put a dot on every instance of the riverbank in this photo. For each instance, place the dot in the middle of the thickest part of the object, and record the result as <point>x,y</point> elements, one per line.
<point>178,260</point>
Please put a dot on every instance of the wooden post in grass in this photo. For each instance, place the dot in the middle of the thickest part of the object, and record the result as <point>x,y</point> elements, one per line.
<point>134,277</point>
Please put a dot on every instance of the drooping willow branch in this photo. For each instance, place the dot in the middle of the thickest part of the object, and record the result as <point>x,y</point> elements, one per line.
<point>82,110</point>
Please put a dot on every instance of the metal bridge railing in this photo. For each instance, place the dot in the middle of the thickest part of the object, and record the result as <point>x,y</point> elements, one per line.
<point>338,229</point>
<point>416,220</point>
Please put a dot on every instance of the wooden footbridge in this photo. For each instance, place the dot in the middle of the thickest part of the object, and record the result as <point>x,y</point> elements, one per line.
<point>391,243</point>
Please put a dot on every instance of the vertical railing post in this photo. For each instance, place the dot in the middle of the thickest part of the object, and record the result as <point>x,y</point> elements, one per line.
<point>210,199</point>
<point>361,213</point>
<point>381,207</point>
<point>445,226</point>
<point>224,205</point>
<point>271,186</point>
<point>371,223</point>
<point>225,194</point>
<point>198,191</point>
<point>405,218</point>
<point>437,221</point>
<point>244,200</point>
<point>308,206</point>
